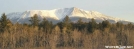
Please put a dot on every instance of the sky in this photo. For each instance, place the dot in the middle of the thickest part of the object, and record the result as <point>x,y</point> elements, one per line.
<point>116,8</point>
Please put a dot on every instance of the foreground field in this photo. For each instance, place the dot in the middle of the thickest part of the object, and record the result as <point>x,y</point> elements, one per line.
<point>33,38</point>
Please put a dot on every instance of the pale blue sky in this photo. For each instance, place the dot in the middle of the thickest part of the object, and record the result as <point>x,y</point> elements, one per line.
<point>115,8</point>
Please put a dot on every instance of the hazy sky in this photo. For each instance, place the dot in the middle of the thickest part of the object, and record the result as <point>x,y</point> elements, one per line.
<point>115,8</point>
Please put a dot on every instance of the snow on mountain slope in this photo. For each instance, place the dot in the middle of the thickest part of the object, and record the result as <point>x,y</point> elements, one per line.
<point>59,14</point>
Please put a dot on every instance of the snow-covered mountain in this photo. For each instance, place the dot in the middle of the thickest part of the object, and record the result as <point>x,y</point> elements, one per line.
<point>57,15</point>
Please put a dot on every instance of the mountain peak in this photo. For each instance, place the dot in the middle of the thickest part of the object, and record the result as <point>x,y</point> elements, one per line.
<point>74,8</point>
<point>59,14</point>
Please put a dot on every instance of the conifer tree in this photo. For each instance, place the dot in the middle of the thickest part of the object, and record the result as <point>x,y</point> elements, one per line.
<point>80,24</point>
<point>60,24</point>
<point>46,25</point>
<point>80,21</point>
<point>67,23</point>
<point>34,20</point>
<point>106,24</point>
<point>92,26</point>
<point>4,22</point>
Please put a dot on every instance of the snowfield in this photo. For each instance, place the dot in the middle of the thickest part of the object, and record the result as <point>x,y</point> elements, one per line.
<point>59,14</point>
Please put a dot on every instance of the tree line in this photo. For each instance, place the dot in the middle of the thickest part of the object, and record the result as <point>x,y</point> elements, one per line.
<point>64,34</point>
<point>5,23</point>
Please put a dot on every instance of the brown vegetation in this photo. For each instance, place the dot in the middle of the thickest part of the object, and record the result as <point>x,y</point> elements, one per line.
<point>65,35</point>
<point>24,37</point>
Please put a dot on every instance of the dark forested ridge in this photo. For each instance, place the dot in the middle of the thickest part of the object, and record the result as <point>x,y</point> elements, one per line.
<point>64,35</point>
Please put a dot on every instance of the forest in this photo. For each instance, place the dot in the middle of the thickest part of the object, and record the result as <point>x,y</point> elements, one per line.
<point>43,34</point>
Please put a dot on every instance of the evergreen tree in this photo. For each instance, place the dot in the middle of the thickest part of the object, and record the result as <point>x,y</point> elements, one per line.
<point>106,24</point>
<point>92,26</point>
<point>80,25</point>
<point>34,20</point>
<point>46,25</point>
<point>60,24</point>
<point>80,21</point>
<point>67,23</point>
<point>119,24</point>
<point>4,22</point>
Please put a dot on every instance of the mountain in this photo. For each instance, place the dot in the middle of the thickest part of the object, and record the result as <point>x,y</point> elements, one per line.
<point>57,15</point>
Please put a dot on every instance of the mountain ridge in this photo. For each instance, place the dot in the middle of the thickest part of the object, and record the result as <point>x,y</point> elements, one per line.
<point>59,14</point>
